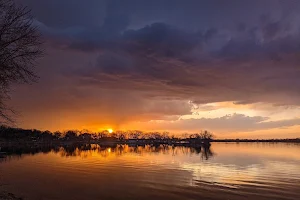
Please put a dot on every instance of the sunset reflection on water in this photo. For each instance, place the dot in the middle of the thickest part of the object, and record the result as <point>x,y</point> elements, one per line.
<point>236,171</point>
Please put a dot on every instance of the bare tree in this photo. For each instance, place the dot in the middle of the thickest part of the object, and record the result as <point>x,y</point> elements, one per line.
<point>206,135</point>
<point>19,48</point>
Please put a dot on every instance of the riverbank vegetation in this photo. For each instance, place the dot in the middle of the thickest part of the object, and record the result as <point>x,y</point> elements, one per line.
<point>18,135</point>
<point>294,140</point>
<point>9,134</point>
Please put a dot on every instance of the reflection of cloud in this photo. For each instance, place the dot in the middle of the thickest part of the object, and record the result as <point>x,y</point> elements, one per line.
<point>228,176</point>
<point>237,165</point>
<point>286,168</point>
<point>257,153</point>
<point>233,166</point>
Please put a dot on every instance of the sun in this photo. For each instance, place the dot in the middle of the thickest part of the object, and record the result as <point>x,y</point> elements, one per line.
<point>110,130</point>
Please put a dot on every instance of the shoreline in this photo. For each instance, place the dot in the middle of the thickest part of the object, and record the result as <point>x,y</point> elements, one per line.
<point>257,141</point>
<point>136,143</point>
<point>8,196</point>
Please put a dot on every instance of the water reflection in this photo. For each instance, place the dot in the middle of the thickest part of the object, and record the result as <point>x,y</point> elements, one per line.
<point>84,151</point>
<point>223,171</point>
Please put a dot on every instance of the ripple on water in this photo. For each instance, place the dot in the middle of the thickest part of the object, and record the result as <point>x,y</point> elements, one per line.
<point>232,172</point>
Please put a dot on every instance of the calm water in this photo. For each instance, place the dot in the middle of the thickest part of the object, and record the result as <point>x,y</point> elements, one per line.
<point>225,171</point>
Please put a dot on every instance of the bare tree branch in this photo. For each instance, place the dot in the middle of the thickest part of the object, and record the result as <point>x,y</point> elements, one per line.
<point>19,48</point>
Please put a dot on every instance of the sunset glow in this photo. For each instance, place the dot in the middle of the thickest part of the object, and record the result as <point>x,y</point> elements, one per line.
<point>177,76</point>
<point>110,130</point>
<point>150,99</point>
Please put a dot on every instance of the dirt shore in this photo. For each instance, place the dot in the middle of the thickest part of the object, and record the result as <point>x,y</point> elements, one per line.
<point>8,196</point>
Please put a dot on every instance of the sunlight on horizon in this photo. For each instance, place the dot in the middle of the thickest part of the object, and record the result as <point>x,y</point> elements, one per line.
<point>110,130</point>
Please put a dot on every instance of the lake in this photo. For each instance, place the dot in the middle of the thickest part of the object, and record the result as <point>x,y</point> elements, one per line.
<point>224,171</point>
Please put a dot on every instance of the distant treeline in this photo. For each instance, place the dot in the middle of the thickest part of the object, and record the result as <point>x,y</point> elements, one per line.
<point>8,134</point>
<point>295,140</point>
<point>33,135</point>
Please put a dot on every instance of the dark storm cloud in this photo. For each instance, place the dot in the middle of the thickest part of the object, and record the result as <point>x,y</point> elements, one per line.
<point>170,50</point>
<point>244,66</point>
<point>67,13</point>
<point>57,13</point>
<point>247,66</point>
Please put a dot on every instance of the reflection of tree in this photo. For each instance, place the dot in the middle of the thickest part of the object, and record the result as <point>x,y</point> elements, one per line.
<point>105,151</point>
<point>207,153</point>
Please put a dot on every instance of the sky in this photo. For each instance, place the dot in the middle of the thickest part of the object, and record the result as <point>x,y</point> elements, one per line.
<point>230,67</point>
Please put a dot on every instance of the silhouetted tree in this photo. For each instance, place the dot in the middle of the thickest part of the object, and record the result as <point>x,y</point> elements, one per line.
<point>57,134</point>
<point>70,135</point>
<point>103,134</point>
<point>135,134</point>
<point>121,135</point>
<point>46,136</point>
<point>206,136</point>
<point>19,48</point>
<point>85,137</point>
<point>165,135</point>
